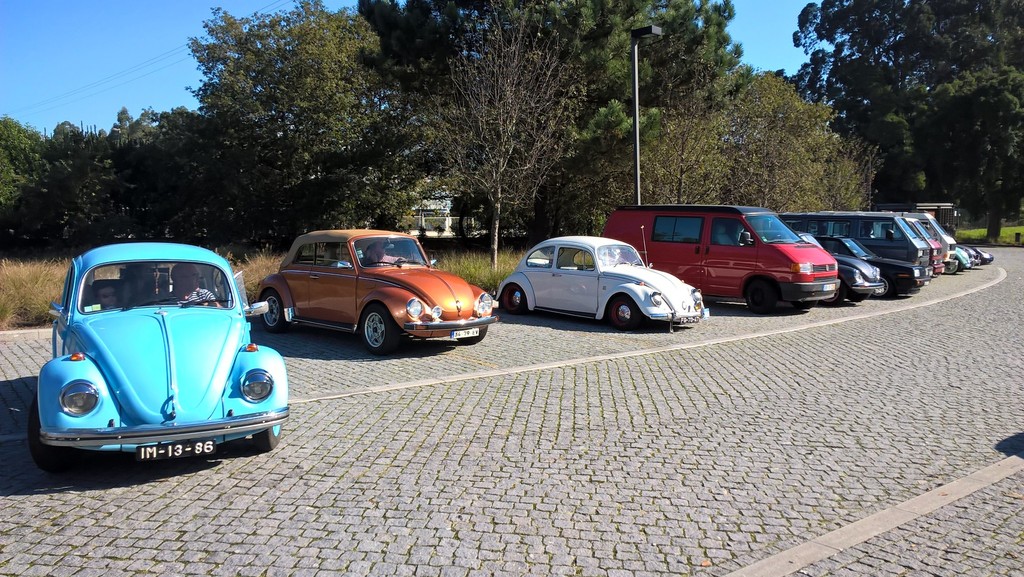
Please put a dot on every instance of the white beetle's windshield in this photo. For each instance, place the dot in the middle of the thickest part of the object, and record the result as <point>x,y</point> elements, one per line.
<point>617,254</point>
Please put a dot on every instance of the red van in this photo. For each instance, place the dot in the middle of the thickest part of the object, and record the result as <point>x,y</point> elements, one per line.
<point>739,252</point>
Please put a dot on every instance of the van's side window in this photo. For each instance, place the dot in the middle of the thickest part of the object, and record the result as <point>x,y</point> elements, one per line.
<point>839,228</point>
<point>879,228</point>
<point>677,228</point>
<point>726,231</point>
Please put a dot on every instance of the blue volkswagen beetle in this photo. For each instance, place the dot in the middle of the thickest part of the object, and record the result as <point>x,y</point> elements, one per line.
<point>152,355</point>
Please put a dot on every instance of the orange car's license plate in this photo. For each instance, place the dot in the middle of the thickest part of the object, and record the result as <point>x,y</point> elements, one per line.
<point>466,333</point>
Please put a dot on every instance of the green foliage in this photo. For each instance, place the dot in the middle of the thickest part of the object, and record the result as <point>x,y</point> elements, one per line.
<point>306,136</point>
<point>932,85</point>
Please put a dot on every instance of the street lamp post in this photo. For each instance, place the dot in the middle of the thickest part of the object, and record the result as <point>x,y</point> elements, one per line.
<point>635,36</point>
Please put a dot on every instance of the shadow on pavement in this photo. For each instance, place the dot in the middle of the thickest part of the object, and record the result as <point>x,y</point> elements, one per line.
<point>100,470</point>
<point>1011,445</point>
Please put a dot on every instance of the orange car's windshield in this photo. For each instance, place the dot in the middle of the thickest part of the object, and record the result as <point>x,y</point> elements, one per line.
<point>388,251</point>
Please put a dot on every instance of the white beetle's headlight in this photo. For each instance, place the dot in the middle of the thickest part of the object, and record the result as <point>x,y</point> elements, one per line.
<point>414,308</point>
<point>436,312</point>
<point>257,385</point>
<point>79,398</point>
<point>656,299</point>
<point>484,305</point>
<point>698,298</point>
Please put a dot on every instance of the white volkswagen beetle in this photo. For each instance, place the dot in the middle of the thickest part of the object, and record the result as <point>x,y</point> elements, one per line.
<point>597,277</point>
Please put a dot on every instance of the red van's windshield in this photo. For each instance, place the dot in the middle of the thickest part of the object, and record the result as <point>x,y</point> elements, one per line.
<point>772,230</point>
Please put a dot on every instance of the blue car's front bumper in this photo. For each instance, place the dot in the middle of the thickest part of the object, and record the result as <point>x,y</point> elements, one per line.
<point>143,434</point>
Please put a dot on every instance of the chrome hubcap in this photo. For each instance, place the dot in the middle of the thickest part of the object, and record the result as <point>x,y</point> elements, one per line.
<point>374,329</point>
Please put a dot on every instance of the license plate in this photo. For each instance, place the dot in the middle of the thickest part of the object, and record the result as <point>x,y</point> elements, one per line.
<point>829,287</point>
<point>474,332</point>
<point>175,450</point>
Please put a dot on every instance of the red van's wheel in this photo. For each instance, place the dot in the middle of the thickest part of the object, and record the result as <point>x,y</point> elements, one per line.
<point>623,313</point>
<point>762,297</point>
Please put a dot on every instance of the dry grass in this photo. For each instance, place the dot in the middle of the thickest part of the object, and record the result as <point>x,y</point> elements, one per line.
<point>27,286</point>
<point>475,266</point>
<point>26,290</point>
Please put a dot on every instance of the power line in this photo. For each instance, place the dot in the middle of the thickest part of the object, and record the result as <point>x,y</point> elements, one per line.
<point>76,95</point>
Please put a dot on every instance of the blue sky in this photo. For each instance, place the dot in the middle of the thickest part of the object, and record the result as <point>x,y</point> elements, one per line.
<point>83,60</point>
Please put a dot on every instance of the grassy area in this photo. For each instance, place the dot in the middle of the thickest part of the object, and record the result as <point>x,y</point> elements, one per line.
<point>1007,235</point>
<point>28,286</point>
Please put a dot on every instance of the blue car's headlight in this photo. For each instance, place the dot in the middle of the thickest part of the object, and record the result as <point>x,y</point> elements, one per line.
<point>79,398</point>
<point>484,305</point>
<point>257,385</point>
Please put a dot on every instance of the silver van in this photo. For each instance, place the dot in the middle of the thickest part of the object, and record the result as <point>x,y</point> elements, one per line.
<point>947,241</point>
<point>887,234</point>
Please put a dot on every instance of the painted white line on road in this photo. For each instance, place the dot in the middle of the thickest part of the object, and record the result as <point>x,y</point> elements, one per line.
<point>821,548</point>
<point>817,549</point>
<point>664,349</point>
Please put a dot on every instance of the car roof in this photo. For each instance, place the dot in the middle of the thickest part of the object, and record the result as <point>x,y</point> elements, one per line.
<point>149,251</point>
<point>692,208</point>
<point>337,235</point>
<point>588,241</point>
<point>342,235</point>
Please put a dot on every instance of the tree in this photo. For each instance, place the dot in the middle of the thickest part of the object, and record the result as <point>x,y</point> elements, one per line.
<point>418,39</point>
<point>20,163</point>
<point>883,66</point>
<point>305,136</point>
<point>980,120</point>
<point>504,128</point>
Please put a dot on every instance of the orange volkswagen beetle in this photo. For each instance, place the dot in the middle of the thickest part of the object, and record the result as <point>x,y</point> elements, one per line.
<point>377,283</point>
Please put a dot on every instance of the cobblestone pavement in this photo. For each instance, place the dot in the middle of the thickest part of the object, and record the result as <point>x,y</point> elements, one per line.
<point>562,447</point>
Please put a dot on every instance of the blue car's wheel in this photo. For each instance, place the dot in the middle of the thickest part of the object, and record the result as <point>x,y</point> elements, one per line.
<point>48,458</point>
<point>266,441</point>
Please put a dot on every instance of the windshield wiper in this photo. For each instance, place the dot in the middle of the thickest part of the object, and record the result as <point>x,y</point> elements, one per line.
<point>187,304</point>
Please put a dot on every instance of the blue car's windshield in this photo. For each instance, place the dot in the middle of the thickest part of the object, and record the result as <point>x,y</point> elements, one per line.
<point>770,228</point>
<point>125,285</point>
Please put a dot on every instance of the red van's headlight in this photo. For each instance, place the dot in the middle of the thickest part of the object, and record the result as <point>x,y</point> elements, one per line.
<point>802,268</point>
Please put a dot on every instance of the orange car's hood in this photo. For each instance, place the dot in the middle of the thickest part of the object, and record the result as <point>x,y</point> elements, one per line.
<point>435,288</point>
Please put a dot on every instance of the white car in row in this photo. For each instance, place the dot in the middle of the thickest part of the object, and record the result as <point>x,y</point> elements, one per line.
<point>598,278</point>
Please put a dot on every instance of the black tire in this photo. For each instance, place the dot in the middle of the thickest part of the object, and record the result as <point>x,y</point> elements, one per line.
<point>47,457</point>
<point>805,305</point>
<point>762,297</point>
<point>273,319</point>
<point>953,267</point>
<point>473,340</point>
<point>267,440</point>
<point>513,300</point>
<point>623,313</point>
<point>378,330</point>
<point>858,297</point>
<point>889,291</point>
<point>840,296</point>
